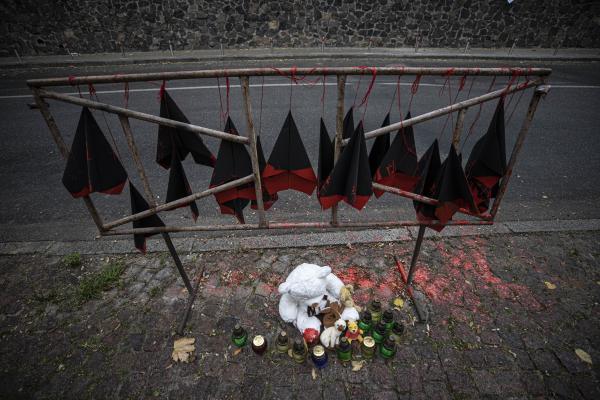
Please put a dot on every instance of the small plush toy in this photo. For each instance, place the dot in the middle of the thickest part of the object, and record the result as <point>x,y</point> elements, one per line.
<point>330,337</point>
<point>346,293</point>
<point>353,332</point>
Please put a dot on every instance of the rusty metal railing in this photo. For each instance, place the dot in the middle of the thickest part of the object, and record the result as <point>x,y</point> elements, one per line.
<point>41,91</point>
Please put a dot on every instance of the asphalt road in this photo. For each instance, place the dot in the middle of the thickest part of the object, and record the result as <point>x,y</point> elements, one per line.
<point>556,176</point>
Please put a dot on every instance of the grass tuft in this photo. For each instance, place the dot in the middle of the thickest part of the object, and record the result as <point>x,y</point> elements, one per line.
<point>72,260</point>
<point>92,286</point>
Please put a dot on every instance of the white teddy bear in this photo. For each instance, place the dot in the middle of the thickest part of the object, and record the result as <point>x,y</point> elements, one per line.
<point>305,286</point>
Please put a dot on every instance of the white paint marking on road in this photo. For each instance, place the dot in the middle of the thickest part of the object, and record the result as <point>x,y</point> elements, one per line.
<point>24,96</point>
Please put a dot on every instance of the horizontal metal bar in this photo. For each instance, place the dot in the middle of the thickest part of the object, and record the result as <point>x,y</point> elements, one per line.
<point>178,203</point>
<point>239,72</point>
<point>425,199</point>
<point>287,225</point>
<point>142,116</point>
<point>449,109</point>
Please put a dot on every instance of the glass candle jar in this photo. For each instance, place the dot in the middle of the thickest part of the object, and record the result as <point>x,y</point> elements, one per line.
<point>375,309</point>
<point>368,347</point>
<point>388,319</point>
<point>387,349</point>
<point>259,345</point>
<point>365,323</point>
<point>282,343</point>
<point>299,351</point>
<point>344,350</point>
<point>319,356</point>
<point>239,336</point>
<point>379,332</point>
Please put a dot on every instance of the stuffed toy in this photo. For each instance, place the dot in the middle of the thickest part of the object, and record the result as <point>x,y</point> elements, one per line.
<point>331,336</point>
<point>353,332</point>
<point>308,290</point>
<point>346,297</point>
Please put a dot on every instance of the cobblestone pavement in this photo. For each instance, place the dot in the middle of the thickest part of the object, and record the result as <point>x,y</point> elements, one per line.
<point>508,313</point>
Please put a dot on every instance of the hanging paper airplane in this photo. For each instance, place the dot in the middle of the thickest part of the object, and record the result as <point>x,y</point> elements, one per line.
<point>233,162</point>
<point>350,179</point>
<point>139,204</point>
<point>268,199</point>
<point>326,156</point>
<point>399,165</point>
<point>451,188</point>
<point>428,169</point>
<point>348,124</point>
<point>179,186</point>
<point>487,162</point>
<point>381,145</point>
<point>92,165</point>
<point>289,166</point>
<point>185,142</point>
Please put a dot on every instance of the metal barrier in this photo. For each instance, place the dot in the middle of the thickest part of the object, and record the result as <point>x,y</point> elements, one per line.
<point>40,91</point>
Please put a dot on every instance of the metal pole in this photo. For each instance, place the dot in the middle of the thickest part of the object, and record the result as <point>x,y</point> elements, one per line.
<point>288,225</point>
<point>178,264</point>
<point>460,119</point>
<point>316,71</point>
<point>449,109</point>
<point>142,116</point>
<point>150,196</point>
<point>178,203</point>
<point>535,99</point>
<point>413,262</point>
<point>245,82</point>
<point>339,131</point>
<point>64,151</point>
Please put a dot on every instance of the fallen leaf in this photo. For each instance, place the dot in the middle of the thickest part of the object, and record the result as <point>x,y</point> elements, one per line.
<point>183,349</point>
<point>585,357</point>
<point>290,353</point>
<point>237,351</point>
<point>357,365</point>
<point>314,374</point>
<point>398,303</point>
<point>550,285</point>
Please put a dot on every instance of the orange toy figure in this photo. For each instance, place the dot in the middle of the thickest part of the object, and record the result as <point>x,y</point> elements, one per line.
<point>353,332</point>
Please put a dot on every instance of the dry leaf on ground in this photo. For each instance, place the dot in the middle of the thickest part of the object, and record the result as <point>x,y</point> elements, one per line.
<point>183,349</point>
<point>398,303</point>
<point>237,351</point>
<point>550,285</point>
<point>314,374</point>
<point>357,365</point>
<point>585,357</point>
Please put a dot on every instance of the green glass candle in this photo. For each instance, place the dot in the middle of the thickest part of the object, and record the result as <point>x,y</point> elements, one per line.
<point>397,331</point>
<point>379,332</point>
<point>299,351</point>
<point>239,336</point>
<point>366,322</point>
<point>388,319</point>
<point>282,343</point>
<point>344,350</point>
<point>387,349</point>
<point>368,347</point>
<point>375,309</point>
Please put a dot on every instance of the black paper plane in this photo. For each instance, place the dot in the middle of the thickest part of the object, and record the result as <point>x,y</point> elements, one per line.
<point>350,179</point>
<point>348,125</point>
<point>399,166</point>
<point>380,147</point>
<point>452,189</point>
<point>326,157</point>
<point>139,204</point>
<point>185,142</point>
<point>428,169</point>
<point>233,162</point>
<point>268,199</point>
<point>289,166</point>
<point>92,165</point>
<point>178,185</point>
<point>487,161</point>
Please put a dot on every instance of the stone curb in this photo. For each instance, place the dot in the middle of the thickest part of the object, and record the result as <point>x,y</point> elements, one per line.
<point>142,58</point>
<point>315,239</point>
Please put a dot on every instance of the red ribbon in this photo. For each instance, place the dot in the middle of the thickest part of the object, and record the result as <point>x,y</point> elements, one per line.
<point>72,83</point>
<point>370,88</point>
<point>161,91</point>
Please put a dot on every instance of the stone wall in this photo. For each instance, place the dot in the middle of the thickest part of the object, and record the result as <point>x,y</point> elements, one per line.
<point>35,27</point>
